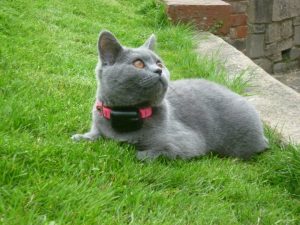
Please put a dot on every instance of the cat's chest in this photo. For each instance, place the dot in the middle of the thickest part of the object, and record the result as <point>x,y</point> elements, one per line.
<point>145,129</point>
<point>123,134</point>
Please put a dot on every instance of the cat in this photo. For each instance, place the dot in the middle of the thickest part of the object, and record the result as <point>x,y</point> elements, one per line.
<point>137,103</point>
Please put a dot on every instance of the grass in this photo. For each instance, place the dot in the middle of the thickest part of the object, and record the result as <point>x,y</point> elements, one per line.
<point>47,58</point>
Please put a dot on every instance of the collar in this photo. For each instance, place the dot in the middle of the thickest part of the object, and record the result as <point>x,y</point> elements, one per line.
<point>105,111</point>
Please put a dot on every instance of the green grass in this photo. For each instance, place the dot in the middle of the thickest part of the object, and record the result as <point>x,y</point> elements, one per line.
<point>47,59</point>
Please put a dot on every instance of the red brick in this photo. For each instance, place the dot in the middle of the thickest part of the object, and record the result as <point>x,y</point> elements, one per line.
<point>238,32</point>
<point>238,20</point>
<point>203,13</point>
<point>242,31</point>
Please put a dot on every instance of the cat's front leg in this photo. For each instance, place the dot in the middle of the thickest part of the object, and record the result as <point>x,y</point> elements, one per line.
<point>183,143</point>
<point>90,136</point>
<point>93,134</point>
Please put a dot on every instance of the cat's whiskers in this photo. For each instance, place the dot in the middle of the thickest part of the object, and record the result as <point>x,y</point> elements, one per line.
<point>148,81</point>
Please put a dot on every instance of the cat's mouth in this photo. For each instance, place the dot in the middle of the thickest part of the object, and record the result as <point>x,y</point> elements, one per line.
<point>152,82</point>
<point>163,82</point>
<point>149,82</point>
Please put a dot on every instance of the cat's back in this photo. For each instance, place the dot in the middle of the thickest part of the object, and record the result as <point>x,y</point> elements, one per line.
<point>221,116</point>
<point>203,104</point>
<point>200,92</point>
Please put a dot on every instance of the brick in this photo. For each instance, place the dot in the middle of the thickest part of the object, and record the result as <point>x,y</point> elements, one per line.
<point>203,13</point>
<point>238,20</point>
<point>255,45</point>
<point>297,35</point>
<point>241,31</point>
<point>260,11</point>
<point>257,28</point>
<point>238,32</point>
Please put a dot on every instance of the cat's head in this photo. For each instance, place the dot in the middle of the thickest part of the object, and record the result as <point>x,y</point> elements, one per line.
<point>130,76</point>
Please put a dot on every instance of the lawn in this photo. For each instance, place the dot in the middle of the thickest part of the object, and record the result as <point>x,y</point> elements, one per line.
<point>47,84</point>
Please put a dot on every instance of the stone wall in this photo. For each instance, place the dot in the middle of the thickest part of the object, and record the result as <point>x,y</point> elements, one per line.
<point>273,41</point>
<point>268,31</point>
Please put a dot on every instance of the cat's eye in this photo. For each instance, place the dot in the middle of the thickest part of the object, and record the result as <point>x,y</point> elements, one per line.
<point>139,64</point>
<point>160,65</point>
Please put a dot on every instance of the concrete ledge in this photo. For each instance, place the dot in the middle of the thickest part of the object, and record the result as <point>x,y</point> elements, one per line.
<point>278,105</point>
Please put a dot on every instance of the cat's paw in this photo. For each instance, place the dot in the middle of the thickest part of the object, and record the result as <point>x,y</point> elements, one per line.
<point>147,155</point>
<point>86,136</point>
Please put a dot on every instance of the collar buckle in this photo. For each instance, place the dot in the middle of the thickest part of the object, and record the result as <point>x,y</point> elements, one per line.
<point>125,121</point>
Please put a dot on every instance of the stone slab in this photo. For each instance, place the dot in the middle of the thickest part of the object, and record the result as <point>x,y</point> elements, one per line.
<point>283,67</point>
<point>285,44</point>
<point>273,32</point>
<point>287,29</point>
<point>297,35</point>
<point>260,11</point>
<point>275,57</point>
<point>281,10</point>
<point>295,7</point>
<point>264,63</point>
<point>277,104</point>
<point>239,6</point>
<point>294,54</point>
<point>255,45</point>
<point>296,20</point>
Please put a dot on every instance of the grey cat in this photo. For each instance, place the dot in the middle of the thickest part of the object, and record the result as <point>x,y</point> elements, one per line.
<point>190,118</point>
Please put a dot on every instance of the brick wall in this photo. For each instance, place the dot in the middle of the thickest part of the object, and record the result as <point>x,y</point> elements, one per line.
<point>268,31</point>
<point>238,24</point>
<point>226,18</point>
<point>204,14</point>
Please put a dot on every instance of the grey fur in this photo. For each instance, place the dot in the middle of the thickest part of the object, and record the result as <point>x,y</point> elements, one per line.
<point>191,118</point>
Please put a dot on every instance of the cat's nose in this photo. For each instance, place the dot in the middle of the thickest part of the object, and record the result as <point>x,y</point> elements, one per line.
<point>158,71</point>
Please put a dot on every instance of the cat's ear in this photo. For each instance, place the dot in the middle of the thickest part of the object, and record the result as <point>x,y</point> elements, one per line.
<point>150,43</point>
<point>109,48</point>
